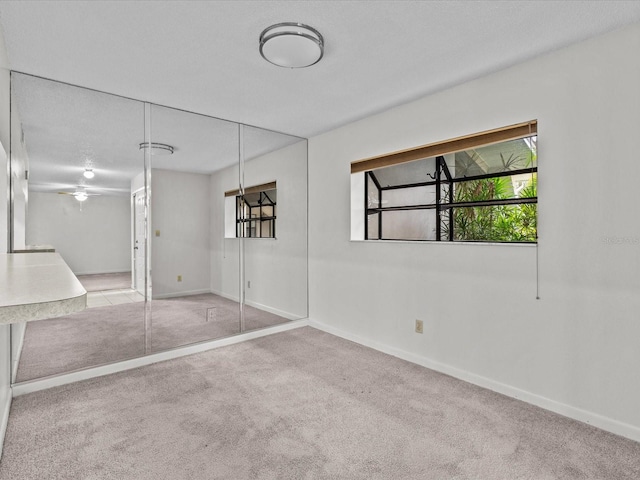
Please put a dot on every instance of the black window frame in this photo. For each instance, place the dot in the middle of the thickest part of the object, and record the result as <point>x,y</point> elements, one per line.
<point>444,207</point>
<point>253,225</point>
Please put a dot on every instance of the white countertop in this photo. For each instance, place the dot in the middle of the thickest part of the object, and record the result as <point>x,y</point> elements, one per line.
<point>35,287</point>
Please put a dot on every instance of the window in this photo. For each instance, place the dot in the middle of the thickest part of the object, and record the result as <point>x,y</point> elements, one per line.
<point>255,211</point>
<point>477,188</point>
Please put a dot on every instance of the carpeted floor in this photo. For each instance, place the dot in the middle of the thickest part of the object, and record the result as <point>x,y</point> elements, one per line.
<point>107,334</point>
<point>298,405</point>
<point>105,281</point>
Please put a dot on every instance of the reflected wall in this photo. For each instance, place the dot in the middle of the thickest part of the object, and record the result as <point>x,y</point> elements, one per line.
<point>275,269</point>
<point>183,308</point>
<point>162,222</point>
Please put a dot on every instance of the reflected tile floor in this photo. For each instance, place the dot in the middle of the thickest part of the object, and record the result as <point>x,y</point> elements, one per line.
<point>105,298</point>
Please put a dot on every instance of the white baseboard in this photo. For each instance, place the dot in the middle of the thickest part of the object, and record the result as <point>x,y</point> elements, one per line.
<point>64,379</point>
<point>275,311</point>
<point>179,294</point>
<point>101,272</point>
<point>259,306</point>
<point>5,407</point>
<point>594,419</point>
<point>225,295</point>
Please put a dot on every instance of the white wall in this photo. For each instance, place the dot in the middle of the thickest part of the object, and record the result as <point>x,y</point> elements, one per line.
<point>225,253</point>
<point>19,168</point>
<point>93,236</point>
<point>575,350</point>
<point>276,268</point>
<point>17,342</point>
<point>137,182</point>
<point>180,211</point>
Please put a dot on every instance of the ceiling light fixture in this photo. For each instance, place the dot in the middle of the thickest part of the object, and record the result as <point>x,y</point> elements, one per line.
<point>88,173</point>
<point>291,45</point>
<point>157,148</point>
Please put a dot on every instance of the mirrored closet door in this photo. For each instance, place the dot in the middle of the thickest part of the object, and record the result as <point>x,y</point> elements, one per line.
<point>183,228</point>
<point>74,164</point>
<point>194,278</point>
<point>272,220</point>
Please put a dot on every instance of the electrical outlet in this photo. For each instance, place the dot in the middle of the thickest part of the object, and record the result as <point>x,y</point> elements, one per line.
<point>419,326</point>
<point>249,284</point>
<point>157,233</point>
<point>179,278</point>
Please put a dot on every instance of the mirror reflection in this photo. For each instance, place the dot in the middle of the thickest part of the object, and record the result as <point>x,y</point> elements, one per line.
<point>181,227</point>
<point>275,269</point>
<point>184,309</point>
<point>79,149</point>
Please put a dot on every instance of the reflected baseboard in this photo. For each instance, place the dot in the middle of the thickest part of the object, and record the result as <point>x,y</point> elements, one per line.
<point>188,293</point>
<point>260,306</point>
<point>36,385</point>
<point>103,272</point>
<point>275,311</point>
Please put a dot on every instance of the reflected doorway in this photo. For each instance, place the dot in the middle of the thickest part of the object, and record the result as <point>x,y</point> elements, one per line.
<point>139,251</point>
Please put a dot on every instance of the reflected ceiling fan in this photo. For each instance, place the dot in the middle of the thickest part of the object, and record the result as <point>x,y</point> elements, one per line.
<point>80,194</point>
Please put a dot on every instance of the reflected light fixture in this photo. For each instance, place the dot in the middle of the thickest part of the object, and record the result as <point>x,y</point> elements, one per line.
<point>88,173</point>
<point>291,45</point>
<point>157,148</point>
<point>80,196</point>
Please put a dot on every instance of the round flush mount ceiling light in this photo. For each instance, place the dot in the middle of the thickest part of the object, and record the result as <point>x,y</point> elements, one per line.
<point>88,173</point>
<point>291,45</point>
<point>157,148</point>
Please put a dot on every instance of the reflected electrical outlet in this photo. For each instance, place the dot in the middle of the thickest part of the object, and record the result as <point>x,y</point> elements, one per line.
<point>211,314</point>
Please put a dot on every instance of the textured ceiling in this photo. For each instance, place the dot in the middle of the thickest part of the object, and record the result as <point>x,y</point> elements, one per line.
<point>203,56</point>
<point>67,129</point>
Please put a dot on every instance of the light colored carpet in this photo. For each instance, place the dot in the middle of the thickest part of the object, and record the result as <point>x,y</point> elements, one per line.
<point>105,281</point>
<point>107,334</point>
<point>298,405</point>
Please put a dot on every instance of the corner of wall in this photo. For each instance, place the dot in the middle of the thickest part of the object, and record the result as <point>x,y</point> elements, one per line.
<point>5,407</point>
<point>5,380</point>
<point>575,413</point>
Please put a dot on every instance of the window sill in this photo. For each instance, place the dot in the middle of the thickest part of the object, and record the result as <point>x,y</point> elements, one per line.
<point>252,238</point>
<point>434,242</point>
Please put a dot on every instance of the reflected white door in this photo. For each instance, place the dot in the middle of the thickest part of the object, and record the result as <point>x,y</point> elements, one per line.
<point>139,250</point>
